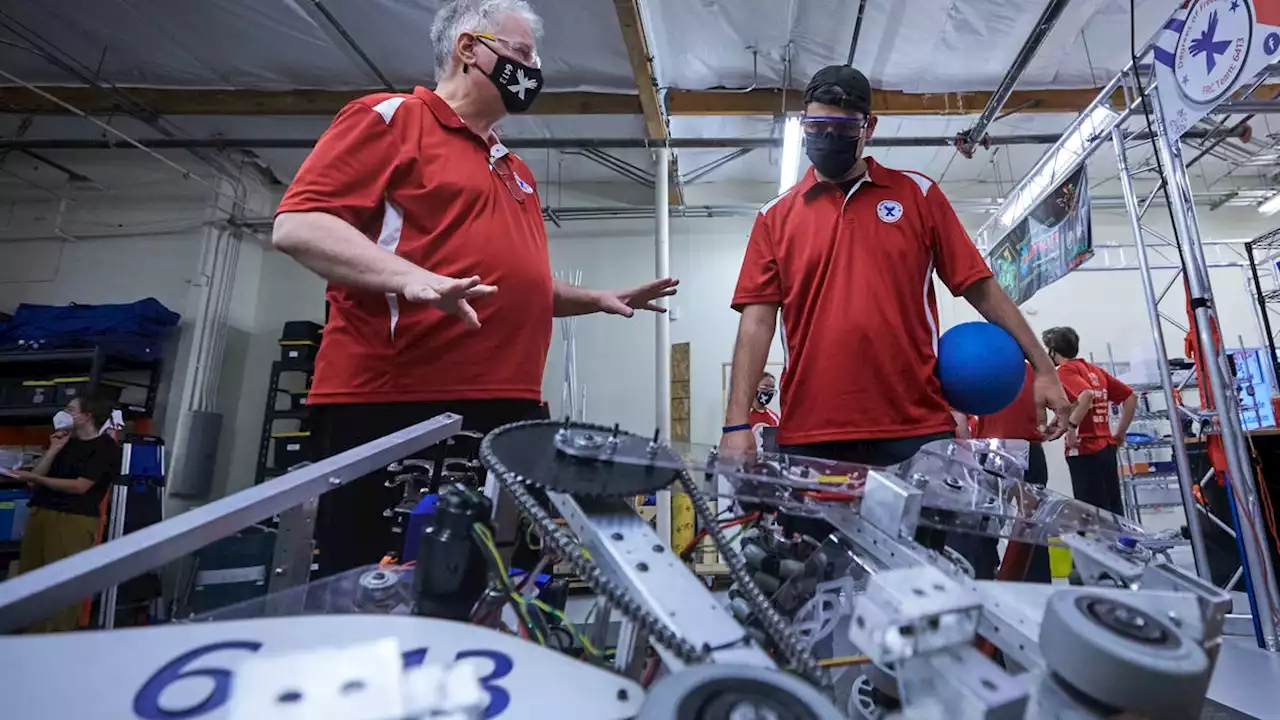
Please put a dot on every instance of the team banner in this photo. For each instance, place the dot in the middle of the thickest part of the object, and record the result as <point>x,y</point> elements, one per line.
<point>1056,238</point>
<point>1207,51</point>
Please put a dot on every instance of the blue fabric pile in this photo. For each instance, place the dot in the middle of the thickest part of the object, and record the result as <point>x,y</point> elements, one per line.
<point>134,330</point>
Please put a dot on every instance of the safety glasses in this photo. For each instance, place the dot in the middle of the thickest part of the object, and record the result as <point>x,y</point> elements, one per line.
<point>507,174</point>
<point>845,127</point>
<point>526,54</point>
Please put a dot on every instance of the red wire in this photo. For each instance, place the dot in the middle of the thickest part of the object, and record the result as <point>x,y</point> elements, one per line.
<point>725,525</point>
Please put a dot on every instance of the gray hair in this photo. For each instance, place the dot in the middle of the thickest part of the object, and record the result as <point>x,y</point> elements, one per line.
<point>458,16</point>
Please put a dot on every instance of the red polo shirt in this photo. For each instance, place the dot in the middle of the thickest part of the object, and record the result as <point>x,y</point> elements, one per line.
<point>1095,429</point>
<point>406,172</point>
<point>854,276</point>
<point>1019,421</point>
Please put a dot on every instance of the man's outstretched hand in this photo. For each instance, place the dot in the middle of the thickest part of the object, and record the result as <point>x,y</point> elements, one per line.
<point>644,297</point>
<point>452,295</point>
<point>1049,394</point>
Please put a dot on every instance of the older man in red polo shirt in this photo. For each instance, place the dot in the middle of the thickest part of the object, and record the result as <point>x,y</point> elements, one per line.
<point>430,234</point>
<point>848,256</point>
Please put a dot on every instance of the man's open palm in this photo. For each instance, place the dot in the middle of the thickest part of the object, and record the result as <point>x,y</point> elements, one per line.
<point>451,295</point>
<point>643,297</point>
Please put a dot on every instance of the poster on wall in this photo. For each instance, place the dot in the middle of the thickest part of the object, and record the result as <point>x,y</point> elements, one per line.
<point>1054,239</point>
<point>1207,51</point>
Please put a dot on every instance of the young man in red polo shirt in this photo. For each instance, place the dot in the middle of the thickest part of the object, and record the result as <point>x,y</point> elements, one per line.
<point>1091,446</point>
<point>848,256</point>
<point>417,215</point>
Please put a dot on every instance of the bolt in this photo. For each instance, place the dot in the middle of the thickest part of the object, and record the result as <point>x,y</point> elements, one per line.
<point>616,536</point>
<point>279,571</point>
<point>642,567</point>
<point>1173,618</point>
<point>623,695</point>
<point>657,548</point>
<point>335,481</point>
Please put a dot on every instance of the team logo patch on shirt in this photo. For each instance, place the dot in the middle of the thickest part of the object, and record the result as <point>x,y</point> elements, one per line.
<point>526,187</point>
<point>889,211</point>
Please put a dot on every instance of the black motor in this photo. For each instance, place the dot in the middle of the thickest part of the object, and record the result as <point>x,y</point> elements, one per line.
<point>451,572</point>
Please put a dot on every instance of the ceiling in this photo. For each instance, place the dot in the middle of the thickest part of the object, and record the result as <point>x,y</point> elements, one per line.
<point>278,69</point>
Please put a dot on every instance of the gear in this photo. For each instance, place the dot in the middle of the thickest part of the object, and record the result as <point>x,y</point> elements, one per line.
<point>526,451</point>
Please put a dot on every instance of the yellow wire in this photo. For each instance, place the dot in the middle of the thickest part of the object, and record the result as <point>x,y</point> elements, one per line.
<point>521,607</point>
<point>582,638</point>
<point>842,661</point>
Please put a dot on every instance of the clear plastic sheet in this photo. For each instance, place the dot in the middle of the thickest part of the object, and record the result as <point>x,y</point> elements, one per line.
<point>370,590</point>
<point>971,486</point>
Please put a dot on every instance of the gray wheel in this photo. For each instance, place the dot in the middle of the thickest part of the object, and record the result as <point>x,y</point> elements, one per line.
<point>725,692</point>
<point>1123,656</point>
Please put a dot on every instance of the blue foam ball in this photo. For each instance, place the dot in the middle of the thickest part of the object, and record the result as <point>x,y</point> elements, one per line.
<point>981,368</point>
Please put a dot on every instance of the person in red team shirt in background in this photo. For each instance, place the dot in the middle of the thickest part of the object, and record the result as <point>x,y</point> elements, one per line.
<point>1091,446</point>
<point>413,210</point>
<point>761,415</point>
<point>1022,420</point>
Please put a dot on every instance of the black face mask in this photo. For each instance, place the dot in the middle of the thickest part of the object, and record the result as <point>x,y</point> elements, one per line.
<point>832,156</point>
<point>764,397</point>
<point>517,83</point>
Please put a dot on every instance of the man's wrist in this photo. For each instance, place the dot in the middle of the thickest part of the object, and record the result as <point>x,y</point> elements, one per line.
<point>735,427</point>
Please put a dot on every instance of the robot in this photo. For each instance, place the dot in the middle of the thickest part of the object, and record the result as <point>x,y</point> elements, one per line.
<point>872,617</point>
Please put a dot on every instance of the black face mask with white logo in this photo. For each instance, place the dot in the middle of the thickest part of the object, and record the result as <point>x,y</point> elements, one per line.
<point>518,84</point>
<point>764,397</point>
<point>832,156</point>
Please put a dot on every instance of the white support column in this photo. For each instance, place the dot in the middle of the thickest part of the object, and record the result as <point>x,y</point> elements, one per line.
<point>662,269</point>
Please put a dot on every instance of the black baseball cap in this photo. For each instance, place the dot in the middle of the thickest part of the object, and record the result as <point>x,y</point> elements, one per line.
<point>840,86</point>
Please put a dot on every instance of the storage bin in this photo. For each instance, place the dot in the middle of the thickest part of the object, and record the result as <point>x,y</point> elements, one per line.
<point>291,449</point>
<point>13,514</point>
<point>70,388</point>
<point>38,393</point>
<point>301,330</point>
<point>298,351</point>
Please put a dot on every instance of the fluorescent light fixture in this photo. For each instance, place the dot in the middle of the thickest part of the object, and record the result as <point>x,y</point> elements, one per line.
<point>1062,160</point>
<point>790,163</point>
<point>1270,205</point>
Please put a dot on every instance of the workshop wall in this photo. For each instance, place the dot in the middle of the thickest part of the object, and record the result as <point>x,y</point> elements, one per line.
<point>40,267</point>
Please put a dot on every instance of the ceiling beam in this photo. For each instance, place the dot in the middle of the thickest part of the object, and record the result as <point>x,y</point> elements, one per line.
<point>655,120</point>
<point>323,103</point>
<point>679,102</point>
<point>883,102</point>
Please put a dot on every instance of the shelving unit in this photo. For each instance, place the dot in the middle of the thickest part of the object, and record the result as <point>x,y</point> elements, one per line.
<point>92,364</point>
<point>1148,475</point>
<point>285,437</point>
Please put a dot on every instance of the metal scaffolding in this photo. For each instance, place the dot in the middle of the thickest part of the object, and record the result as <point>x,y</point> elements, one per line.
<point>1102,121</point>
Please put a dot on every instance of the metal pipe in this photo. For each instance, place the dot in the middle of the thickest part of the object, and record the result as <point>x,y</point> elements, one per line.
<point>970,138</point>
<point>1185,479</point>
<point>351,43</point>
<point>662,269</point>
<point>527,143</point>
<point>1257,557</point>
<point>857,31</point>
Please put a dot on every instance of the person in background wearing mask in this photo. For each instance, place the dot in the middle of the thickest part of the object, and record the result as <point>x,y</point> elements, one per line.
<point>71,483</point>
<point>1091,446</point>
<point>848,255</point>
<point>417,215</point>
<point>762,416</point>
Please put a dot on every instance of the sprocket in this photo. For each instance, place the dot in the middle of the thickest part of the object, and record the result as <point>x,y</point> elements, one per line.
<point>527,452</point>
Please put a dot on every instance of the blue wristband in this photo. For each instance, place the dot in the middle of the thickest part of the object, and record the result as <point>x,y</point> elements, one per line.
<point>735,428</point>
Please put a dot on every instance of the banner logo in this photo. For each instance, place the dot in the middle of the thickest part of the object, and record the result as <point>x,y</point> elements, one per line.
<point>1212,49</point>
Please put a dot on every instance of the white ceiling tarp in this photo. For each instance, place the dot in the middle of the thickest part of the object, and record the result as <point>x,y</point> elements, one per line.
<point>909,45</point>
<point>285,44</point>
